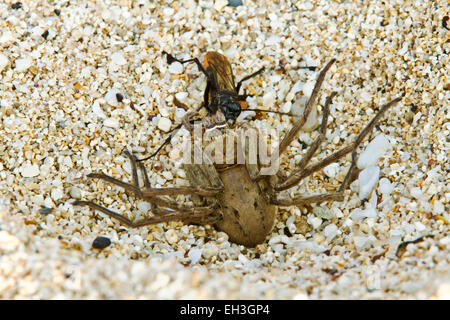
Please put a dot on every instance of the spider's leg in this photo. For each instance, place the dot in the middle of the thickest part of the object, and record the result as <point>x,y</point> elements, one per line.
<point>204,214</point>
<point>301,173</point>
<point>315,145</point>
<point>334,196</point>
<point>299,124</point>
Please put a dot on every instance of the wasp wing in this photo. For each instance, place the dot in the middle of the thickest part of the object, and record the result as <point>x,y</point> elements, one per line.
<point>220,67</point>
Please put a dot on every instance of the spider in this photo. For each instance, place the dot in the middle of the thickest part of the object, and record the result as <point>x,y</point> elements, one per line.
<point>238,199</point>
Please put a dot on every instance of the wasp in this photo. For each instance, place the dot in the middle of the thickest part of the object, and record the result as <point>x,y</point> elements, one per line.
<point>221,92</point>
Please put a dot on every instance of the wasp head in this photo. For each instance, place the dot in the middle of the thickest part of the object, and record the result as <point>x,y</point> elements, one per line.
<point>229,106</point>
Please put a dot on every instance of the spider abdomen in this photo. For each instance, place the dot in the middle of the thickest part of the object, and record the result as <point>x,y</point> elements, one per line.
<point>248,217</point>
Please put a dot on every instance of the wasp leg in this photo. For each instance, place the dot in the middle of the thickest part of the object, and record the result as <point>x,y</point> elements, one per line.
<point>171,59</point>
<point>301,173</point>
<point>239,84</point>
<point>168,139</point>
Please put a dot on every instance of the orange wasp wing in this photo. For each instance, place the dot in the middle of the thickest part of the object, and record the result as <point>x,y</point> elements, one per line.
<point>220,67</point>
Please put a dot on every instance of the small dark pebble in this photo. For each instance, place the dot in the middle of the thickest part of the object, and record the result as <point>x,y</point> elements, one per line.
<point>150,117</point>
<point>101,243</point>
<point>287,232</point>
<point>57,12</point>
<point>45,34</point>
<point>119,97</point>
<point>16,5</point>
<point>45,210</point>
<point>445,22</point>
<point>235,3</point>
<point>413,108</point>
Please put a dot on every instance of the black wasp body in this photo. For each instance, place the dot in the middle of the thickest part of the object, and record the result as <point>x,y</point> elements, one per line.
<point>221,91</point>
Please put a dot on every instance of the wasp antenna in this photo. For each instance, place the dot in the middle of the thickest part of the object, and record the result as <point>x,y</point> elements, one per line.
<point>270,111</point>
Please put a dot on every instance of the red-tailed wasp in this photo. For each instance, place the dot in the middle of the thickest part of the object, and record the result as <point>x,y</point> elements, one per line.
<point>221,93</point>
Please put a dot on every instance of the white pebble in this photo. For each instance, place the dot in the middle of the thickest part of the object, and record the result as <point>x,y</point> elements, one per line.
<point>286,107</point>
<point>332,170</point>
<point>416,192</point>
<point>23,64</point>
<point>420,226</point>
<point>181,96</point>
<point>275,78</point>
<point>337,212</point>
<point>296,88</point>
<point>359,214</point>
<point>111,123</point>
<point>330,232</point>
<point>220,4</point>
<point>268,99</point>
<point>194,255</point>
<point>111,97</point>
<point>362,242</point>
<point>56,194</point>
<point>368,178</point>
<point>314,221</point>
<point>164,124</point>
<point>168,175</point>
<point>75,193</point>
<point>210,252</point>
<point>374,150</point>
<point>118,58</point>
<point>438,207</point>
<point>143,206</point>
<point>273,40</point>
<point>176,68</point>
<point>385,186</point>
<point>28,171</point>
<point>3,62</point>
<point>168,11</point>
<point>310,244</point>
<point>179,114</point>
<point>98,110</point>
<point>279,239</point>
<point>308,88</point>
<point>172,237</point>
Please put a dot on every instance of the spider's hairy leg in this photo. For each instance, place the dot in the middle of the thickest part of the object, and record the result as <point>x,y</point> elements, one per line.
<point>173,211</point>
<point>323,128</point>
<point>193,214</point>
<point>297,175</point>
<point>334,196</point>
<point>289,137</point>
